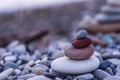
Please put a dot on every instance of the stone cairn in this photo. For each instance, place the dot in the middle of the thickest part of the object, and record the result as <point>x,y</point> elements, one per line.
<point>78,57</point>
<point>110,12</point>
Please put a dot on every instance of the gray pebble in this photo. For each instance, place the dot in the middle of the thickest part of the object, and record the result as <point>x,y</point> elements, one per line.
<point>13,44</point>
<point>42,66</point>
<point>109,70</point>
<point>26,76</point>
<point>25,72</point>
<point>100,74</point>
<point>10,58</point>
<point>118,71</point>
<point>38,70</point>
<point>10,65</point>
<point>113,67</point>
<point>18,50</point>
<point>115,61</point>
<point>112,78</point>
<point>17,71</point>
<point>57,78</point>
<point>54,72</point>
<point>105,64</point>
<point>39,78</point>
<point>2,50</point>
<point>4,75</point>
<point>49,75</point>
<point>81,34</point>
<point>69,78</point>
<point>85,76</point>
<point>100,58</point>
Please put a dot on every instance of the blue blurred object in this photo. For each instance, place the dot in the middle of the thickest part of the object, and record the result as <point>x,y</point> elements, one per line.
<point>107,38</point>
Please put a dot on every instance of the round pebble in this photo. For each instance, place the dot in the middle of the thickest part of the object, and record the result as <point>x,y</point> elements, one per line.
<point>10,65</point>
<point>10,58</point>
<point>81,34</point>
<point>81,43</point>
<point>112,78</point>
<point>27,76</point>
<point>39,78</point>
<point>68,66</point>
<point>79,54</point>
<point>100,74</point>
<point>85,76</point>
<point>115,61</point>
<point>105,64</point>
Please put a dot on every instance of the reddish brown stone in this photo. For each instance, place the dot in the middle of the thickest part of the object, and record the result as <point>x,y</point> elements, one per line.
<point>78,54</point>
<point>81,43</point>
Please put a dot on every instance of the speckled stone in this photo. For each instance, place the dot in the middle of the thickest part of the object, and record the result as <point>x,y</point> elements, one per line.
<point>68,66</point>
<point>81,43</point>
<point>79,54</point>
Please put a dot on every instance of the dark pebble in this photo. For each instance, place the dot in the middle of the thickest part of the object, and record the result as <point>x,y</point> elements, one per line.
<point>1,67</point>
<point>69,78</point>
<point>49,75</point>
<point>105,64</point>
<point>10,65</point>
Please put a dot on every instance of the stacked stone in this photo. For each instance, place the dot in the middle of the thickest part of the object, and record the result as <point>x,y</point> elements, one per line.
<point>110,12</point>
<point>78,57</point>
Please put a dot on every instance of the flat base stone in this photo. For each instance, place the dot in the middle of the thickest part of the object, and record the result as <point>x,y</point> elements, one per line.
<point>68,66</point>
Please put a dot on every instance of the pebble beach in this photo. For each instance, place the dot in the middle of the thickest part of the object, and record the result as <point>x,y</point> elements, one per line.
<point>19,61</point>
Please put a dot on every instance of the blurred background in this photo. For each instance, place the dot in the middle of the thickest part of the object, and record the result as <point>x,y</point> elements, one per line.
<point>44,21</point>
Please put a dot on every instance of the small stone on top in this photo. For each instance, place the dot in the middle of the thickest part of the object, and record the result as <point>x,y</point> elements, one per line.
<point>81,34</point>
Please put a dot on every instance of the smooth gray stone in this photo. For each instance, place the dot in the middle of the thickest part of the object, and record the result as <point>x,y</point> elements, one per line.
<point>68,66</point>
<point>57,78</point>
<point>105,64</point>
<point>109,70</point>
<point>13,44</point>
<point>10,65</point>
<point>10,58</point>
<point>6,54</point>
<point>112,78</point>
<point>118,72</point>
<point>26,76</point>
<point>115,61</point>
<point>4,75</point>
<point>81,34</point>
<point>17,71</point>
<point>105,18</point>
<point>39,78</point>
<point>54,72</point>
<point>100,74</point>
<point>69,78</point>
<point>110,9</point>
<point>24,72</point>
<point>85,76</point>
<point>2,50</point>
<point>18,50</point>
<point>113,67</point>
